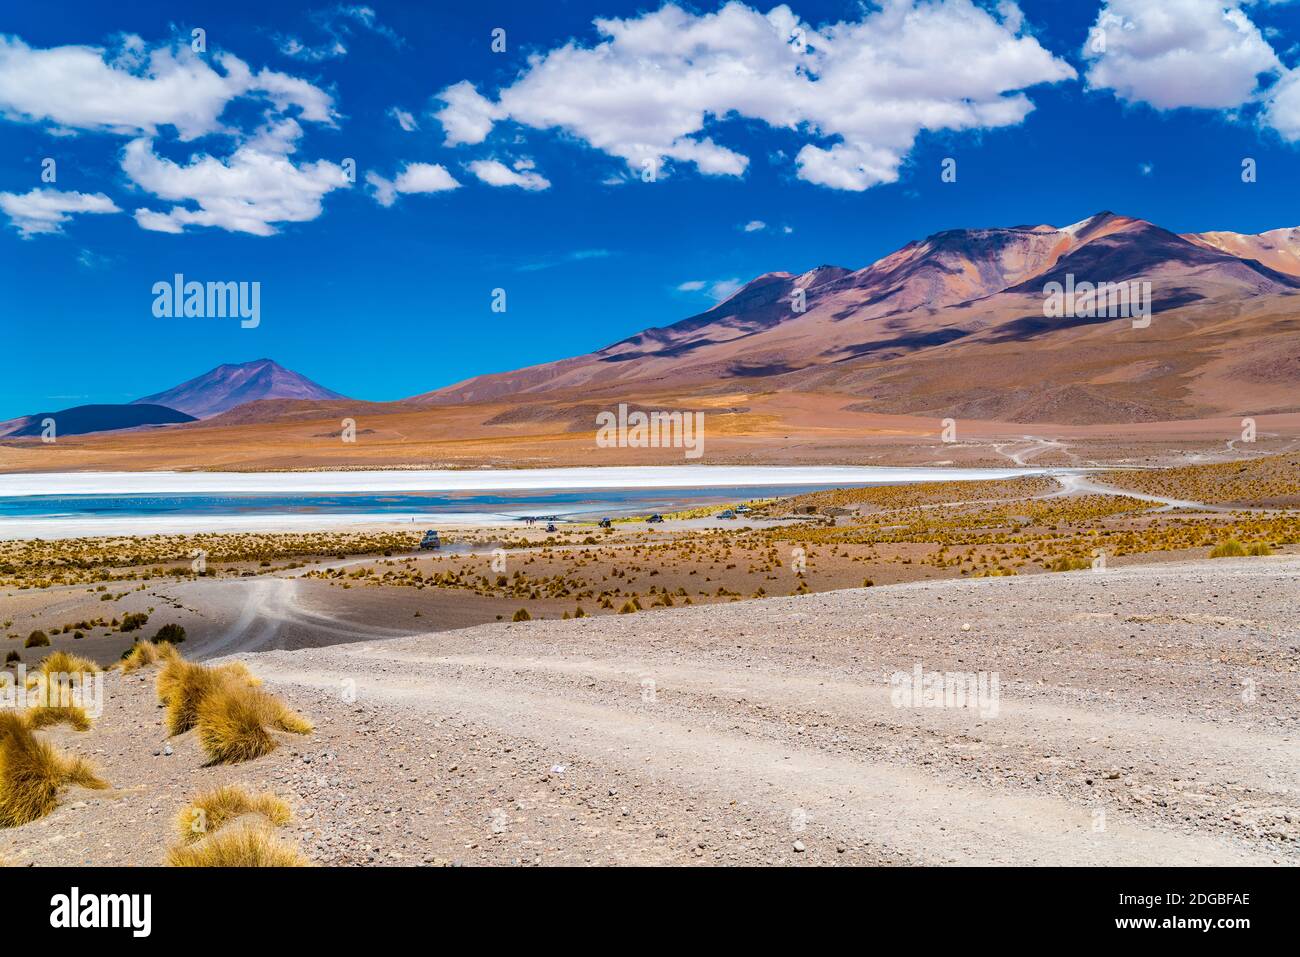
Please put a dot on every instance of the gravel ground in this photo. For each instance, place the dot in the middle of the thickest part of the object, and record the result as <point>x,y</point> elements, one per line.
<point>1146,715</point>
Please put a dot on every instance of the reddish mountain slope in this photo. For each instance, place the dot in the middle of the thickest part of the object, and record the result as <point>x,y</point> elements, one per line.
<point>956,323</point>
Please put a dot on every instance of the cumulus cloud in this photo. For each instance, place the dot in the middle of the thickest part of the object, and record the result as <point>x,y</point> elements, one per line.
<point>754,226</point>
<point>1207,54</point>
<point>858,92</point>
<point>1199,53</point>
<point>250,192</point>
<point>496,173</point>
<point>1282,112</point>
<point>132,90</point>
<point>46,210</point>
<point>414,178</point>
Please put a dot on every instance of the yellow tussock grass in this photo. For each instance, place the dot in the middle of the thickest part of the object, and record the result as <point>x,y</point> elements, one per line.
<point>45,717</point>
<point>64,663</point>
<point>146,653</point>
<point>243,845</point>
<point>233,716</point>
<point>212,811</point>
<point>32,773</point>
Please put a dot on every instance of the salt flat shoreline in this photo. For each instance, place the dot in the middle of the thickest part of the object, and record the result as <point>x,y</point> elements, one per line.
<point>485,480</point>
<point>738,478</point>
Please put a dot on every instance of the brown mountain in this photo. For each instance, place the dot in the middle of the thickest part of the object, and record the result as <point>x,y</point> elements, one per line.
<point>234,384</point>
<point>955,325</point>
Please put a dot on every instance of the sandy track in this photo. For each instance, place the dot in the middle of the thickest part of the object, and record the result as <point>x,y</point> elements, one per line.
<point>1123,734</point>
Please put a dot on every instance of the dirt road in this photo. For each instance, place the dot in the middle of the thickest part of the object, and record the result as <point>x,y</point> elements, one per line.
<point>1146,716</point>
<point>1143,715</point>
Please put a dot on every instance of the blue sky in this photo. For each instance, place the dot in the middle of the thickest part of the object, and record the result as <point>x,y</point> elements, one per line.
<point>386,301</point>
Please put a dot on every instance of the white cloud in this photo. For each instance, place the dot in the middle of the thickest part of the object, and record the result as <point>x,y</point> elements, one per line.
<point>1282,112</point>
<point>250,192</point>
<point>404,119</point>
<point>46,210</point>
<point>1193,53</point>
<point>135,91</point>
<point>718,289</point>
<point>414,178</point>
<point>467,116</point>
<point>724,289</point>
<point>496,173</point>
<point>858,92</point>
<point>754,226</point>
<point>1176,53</point>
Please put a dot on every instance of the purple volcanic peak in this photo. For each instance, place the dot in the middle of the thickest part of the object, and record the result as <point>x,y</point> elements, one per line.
<point>230,385</point>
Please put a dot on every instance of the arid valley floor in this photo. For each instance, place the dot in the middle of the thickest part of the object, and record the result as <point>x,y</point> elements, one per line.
<point>720,691</point>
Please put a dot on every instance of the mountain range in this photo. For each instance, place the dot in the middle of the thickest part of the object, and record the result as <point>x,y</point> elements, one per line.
<point>952,325</point>
<point>219,390</point>
<point>955,325</point>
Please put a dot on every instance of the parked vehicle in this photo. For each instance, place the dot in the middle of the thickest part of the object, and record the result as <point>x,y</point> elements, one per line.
<point>742,509</point>
<point>431,540</point>
<point>606,523</point>
<point>550,526</point>
<point>654,518</point>
<point>727,513</point>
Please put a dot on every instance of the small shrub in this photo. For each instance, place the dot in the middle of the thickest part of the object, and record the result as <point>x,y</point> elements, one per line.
<point>171,633</point>
<point>522,615</point>
<point>1260,548</point>
<point>37,639</point>
<point>133,621</point>
<point>1229,549</point>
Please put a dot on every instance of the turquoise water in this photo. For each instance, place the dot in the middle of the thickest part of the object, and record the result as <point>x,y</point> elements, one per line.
<point>575,503</point>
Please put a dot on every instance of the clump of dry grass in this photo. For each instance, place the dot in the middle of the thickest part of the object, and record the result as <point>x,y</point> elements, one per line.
<point>146,653</point>
<point>32,773</point>
<point>212,811</point>
<point>233,723</point>
<point>50,715</point>
<point>65,663</point>
<point>243,845</point>
<point>234,717</point>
